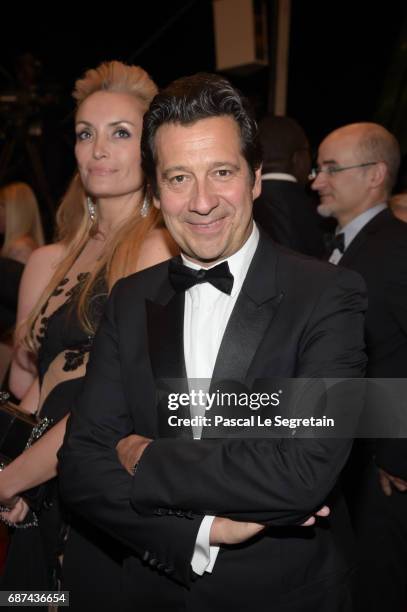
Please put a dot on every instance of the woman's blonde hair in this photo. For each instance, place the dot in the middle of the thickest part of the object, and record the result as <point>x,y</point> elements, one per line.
<point>74,225</point>
<point>22,215</point>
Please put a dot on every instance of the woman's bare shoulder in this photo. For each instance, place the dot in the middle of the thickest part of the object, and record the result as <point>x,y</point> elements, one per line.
<point>158,246</point>
<point>40,268</point>
<point>47,257</point>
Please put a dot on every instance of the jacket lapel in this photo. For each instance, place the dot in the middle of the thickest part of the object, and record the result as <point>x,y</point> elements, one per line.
<point>165,328</point>
<point>252,315</point>
<point>358,242</point>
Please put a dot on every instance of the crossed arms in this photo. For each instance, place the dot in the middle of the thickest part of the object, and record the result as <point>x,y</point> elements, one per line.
<point>278,482</point>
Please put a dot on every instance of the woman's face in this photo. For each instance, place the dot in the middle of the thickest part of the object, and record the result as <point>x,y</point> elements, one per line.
<point>108,131</point>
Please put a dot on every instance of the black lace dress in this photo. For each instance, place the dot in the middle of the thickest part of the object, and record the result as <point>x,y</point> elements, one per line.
<point>63,549</point>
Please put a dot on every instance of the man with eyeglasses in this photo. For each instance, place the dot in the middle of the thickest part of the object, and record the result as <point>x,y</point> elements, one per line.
<point>356,171</point>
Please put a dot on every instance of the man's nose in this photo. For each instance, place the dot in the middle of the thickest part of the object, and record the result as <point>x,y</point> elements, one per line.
<point>319,181</point>
<point>204,198</point>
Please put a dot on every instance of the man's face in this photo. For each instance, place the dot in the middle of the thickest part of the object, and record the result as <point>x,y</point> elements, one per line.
<point>206,190</point>
<point>343,194</point>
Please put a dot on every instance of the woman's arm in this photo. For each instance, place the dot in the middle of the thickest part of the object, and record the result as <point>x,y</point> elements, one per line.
<point>34,466</point>
<point>37,274</point>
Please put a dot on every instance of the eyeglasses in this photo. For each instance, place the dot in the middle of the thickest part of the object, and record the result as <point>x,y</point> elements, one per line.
<point>331,170</point>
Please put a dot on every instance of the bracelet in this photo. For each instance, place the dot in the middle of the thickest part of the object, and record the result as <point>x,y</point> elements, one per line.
<point>31,520</point>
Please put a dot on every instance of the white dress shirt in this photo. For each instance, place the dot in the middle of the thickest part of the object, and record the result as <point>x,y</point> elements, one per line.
<point>206,314</point>
<point>353,228</point>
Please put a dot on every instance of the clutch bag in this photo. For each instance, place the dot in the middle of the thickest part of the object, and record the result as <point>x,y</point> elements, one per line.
<point>18,430</point>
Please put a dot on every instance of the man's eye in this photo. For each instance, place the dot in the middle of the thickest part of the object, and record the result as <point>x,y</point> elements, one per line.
<point>331,169</point>
<point>122,133</point>
<point>178,179</point>
<point>223,172</point>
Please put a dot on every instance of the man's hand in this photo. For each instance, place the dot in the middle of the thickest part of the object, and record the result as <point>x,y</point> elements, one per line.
<point>130,450</point>
<point>323,512</point>
<point>226,531</point>
<point>387,480</point>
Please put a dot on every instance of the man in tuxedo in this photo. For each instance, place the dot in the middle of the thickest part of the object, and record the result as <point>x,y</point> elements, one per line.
<point>357,169</point>
<point>215,524</point>
<point>285,209</point>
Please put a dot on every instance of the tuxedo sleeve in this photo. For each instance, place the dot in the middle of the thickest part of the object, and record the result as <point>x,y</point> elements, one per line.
<point>274,481</point>
<point>95,485</point>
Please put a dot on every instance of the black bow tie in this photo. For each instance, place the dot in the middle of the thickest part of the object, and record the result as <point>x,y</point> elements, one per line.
<point>182,277</point>
<point>334,241</point>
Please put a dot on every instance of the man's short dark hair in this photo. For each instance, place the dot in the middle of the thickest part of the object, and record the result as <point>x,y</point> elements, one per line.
<point>190,99</point>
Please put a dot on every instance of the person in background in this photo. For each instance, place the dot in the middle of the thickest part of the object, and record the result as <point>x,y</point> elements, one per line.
<point>11,272</point>
<point>10,276</point>
<point>285,208</point>
<point>20,222</point>
<point>21,233</point>
<point>356,171</point>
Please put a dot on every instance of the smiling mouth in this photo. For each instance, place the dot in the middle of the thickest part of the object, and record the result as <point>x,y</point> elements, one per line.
<point>208,227</point>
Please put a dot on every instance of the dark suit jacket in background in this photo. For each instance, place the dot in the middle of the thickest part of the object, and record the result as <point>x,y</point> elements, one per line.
<point>294,317</point>
<point>288,214</point>
<point>10,276</point>
<point>379,254</point>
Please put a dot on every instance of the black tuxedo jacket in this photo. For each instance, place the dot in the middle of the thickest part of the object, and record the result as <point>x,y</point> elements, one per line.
<point>294,317</point>
<point>288,214</point>
<point>379,254</point>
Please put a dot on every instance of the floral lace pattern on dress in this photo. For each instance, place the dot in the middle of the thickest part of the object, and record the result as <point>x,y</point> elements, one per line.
<point>74,358</point>
<point>40,335</point>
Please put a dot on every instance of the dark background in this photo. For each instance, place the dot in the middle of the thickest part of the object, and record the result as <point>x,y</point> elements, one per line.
<point>348,62</point>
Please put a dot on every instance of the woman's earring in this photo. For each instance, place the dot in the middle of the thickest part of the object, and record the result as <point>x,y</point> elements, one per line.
<point>145,207</point>
<point>91,209</point>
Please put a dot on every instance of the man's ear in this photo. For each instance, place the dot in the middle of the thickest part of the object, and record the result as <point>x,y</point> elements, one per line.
<point>156,203</point>
<point>256,191</point>
<point>378,174</point>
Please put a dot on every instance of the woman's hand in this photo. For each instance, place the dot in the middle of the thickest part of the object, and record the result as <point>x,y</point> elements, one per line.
<point>7,497</point>
<point>17,513</point>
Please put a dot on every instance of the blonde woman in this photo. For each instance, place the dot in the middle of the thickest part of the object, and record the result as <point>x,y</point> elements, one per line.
<point>20,222</point>
<point>107,230</point>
